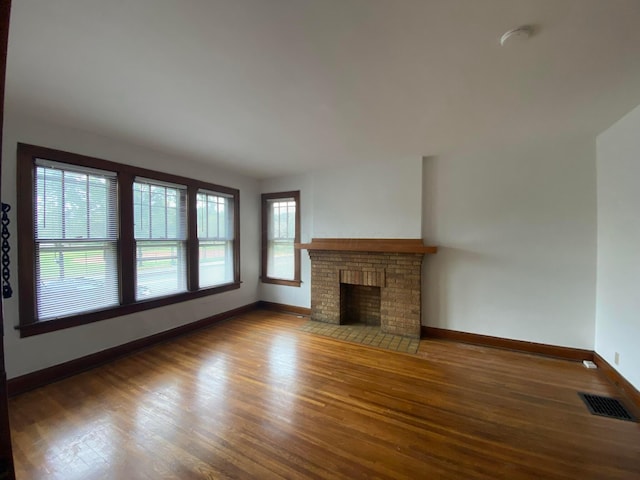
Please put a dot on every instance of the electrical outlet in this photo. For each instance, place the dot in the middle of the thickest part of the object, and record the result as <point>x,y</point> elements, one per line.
<point>616,358</point>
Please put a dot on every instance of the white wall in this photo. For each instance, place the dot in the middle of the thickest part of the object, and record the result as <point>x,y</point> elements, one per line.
<point>516,228</point>
<point>618,289</point>
<point>375,200</point>
<point>41,351</point>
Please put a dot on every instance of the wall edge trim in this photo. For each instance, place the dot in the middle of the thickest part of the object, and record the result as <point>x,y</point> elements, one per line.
<point>566,353</point>
<point>283,308</point>
<point>618,380</point>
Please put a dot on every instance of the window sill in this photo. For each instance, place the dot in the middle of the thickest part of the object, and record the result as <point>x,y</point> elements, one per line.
<point>46,326</point>
<point>279,281</point>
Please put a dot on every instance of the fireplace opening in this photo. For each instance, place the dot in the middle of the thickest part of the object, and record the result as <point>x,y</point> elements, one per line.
<point>359,304</point>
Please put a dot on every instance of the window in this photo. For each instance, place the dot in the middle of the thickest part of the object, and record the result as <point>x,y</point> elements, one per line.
<point>215,238</point>
<point>75,240</point>
<point>99,239</point>
<point>280,231</point>
<point>160,231</point>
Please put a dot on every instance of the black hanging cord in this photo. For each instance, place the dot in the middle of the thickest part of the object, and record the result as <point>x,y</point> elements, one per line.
<point>6,273</point>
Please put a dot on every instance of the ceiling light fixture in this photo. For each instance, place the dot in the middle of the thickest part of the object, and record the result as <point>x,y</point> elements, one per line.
<point>517,35</point>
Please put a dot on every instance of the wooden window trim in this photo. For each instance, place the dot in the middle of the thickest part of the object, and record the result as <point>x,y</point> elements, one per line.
<point>28,324</point>
<point>296,282</point>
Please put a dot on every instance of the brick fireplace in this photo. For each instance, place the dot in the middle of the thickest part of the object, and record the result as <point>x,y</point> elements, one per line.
<point>372,281</point>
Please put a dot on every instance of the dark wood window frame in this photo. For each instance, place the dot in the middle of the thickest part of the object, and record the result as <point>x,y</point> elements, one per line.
<point>266,197</point>
<point>29,324</point>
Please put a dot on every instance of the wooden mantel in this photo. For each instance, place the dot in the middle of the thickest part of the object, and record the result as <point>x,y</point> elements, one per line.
<point>389,245</point>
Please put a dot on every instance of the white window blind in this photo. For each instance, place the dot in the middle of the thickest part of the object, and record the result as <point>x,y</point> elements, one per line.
<point>160,231</point>
<point>76,239</point>
<point>215,238</point>
<point>281,234</point>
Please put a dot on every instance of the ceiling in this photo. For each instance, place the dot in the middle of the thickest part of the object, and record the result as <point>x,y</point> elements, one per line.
<point>274,87</point>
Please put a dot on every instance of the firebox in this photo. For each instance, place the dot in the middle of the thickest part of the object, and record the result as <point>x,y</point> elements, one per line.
<point>359,304</point>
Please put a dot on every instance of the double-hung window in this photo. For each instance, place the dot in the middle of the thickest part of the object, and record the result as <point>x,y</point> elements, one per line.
<point>215,238</point>
<point>280,232</point>
<point>76,239</point>
<point>99,239</point>
<point>160,231</point>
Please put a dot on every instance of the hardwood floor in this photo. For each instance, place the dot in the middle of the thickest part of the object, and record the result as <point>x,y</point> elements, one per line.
<point>255,397</point>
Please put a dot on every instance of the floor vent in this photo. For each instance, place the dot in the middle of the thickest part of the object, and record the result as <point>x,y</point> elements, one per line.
<point>606,407</point>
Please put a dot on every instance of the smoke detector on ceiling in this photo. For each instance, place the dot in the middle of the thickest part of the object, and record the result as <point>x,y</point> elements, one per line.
<point>517,35</point>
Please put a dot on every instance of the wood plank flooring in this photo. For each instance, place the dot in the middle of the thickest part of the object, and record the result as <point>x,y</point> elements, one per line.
<point>256,398</point>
